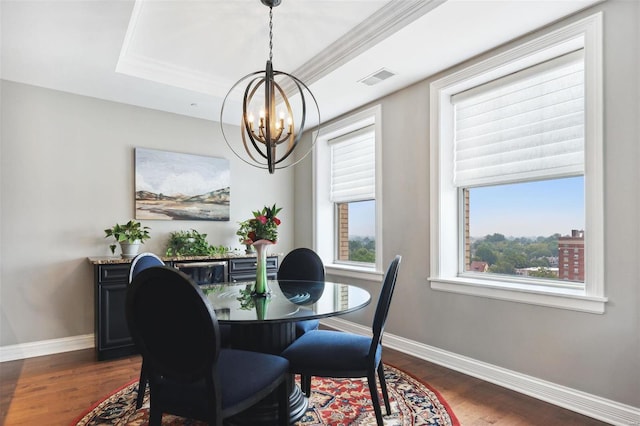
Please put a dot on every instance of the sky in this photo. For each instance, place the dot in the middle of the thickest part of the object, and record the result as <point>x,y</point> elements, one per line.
<point>362,217</point>
<point>528,209</point>
<point>173,173</point>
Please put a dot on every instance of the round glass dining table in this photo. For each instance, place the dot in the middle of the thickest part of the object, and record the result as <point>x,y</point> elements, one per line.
<point>267,324</point>
<point>289,301</point>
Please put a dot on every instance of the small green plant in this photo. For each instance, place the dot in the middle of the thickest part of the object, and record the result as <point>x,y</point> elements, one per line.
<point>130,232</point>
<point>192,243</point>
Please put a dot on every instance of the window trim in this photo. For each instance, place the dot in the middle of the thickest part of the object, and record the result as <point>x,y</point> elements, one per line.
<point>323,241</point>
<point>446,251</point>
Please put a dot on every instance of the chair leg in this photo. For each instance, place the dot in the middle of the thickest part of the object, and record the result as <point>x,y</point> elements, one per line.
<point>305,384</point>
<point>155,416</point>
<point>383,385</point>
<point>371,378</point>
<point>142,386</point>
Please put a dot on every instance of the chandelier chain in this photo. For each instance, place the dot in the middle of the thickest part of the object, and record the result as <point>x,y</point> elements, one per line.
<point>270,34</point>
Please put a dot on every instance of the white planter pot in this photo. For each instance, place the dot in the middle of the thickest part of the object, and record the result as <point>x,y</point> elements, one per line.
<point>130,250</point>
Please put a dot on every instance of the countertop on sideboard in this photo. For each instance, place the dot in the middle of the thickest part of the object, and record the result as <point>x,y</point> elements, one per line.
<point>113,260</point>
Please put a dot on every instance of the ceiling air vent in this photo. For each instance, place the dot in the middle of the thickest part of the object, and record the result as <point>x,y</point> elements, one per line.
<point>377,77</point>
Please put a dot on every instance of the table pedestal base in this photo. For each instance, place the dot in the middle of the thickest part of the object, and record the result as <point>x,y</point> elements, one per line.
<point>273,339</point>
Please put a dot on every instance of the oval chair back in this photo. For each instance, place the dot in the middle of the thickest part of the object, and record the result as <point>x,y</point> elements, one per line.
<point>173,324</point>
<point>301,264</point>
<point>384,302</point>
<point>142,262</point>
<point>147,260</point>
<point>305,265</point>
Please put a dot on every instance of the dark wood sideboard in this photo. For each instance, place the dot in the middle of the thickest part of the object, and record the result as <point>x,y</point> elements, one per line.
<point>111,277</point>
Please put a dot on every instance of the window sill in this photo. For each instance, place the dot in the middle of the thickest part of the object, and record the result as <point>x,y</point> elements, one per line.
<point>575,300</point>
<point>350,271</point>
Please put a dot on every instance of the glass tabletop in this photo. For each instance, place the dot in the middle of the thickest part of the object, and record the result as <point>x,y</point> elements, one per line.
<point>289,301</point>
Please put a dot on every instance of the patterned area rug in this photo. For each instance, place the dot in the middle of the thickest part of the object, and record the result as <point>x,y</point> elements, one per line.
<point>334,402</point>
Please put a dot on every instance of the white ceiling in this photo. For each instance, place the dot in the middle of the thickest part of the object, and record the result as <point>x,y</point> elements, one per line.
<point>183,56</point>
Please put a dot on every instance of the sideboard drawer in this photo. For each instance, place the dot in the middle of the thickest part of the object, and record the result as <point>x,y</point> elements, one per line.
<point>249,264</point>
<point>111,273</point>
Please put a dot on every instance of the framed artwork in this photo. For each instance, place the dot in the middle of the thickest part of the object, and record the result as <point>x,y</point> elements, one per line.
<point>174,186</point>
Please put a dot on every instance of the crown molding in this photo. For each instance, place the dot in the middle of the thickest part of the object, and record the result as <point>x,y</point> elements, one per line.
<point>392,17</point>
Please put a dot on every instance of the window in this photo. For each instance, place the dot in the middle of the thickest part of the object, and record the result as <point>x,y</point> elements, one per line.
<point>353,193</point>
<point>515,141</point>
<point>347,196</point>
<point>513,138</point>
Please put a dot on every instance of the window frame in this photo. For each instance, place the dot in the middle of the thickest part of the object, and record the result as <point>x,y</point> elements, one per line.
<point>324,242</point>
<point>447,252</point>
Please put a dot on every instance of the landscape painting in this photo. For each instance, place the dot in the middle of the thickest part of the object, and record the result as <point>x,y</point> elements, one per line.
<point>174,186</point>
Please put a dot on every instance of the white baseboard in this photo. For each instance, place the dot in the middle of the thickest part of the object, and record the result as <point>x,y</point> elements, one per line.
<point>593,406</point>
<point>45,347</point>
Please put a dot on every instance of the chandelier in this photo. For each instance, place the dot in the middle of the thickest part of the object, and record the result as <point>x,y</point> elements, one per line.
<point>279,102</point>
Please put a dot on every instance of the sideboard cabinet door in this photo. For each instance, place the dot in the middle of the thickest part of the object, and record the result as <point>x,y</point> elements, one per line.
<point>112,337</point>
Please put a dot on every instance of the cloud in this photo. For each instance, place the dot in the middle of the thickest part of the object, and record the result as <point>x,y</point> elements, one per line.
<point>174,173</point>
<point>190,183</point>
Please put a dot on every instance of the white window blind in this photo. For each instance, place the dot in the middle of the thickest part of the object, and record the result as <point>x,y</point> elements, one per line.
<point>353,168</point>
<point>525,126</point>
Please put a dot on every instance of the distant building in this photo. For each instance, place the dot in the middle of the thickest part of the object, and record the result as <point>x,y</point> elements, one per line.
<point>477,266</point>
<point>467,234</point>
<point>571,256</point>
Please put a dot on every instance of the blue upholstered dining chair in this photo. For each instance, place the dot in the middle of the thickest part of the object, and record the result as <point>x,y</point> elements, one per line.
<point>174,326</point>
<point>139,263</point>
<point>305,265</point>
<point>328,353</point>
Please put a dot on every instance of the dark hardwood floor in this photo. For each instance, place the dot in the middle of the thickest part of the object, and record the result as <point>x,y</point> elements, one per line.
<point>56,389</point>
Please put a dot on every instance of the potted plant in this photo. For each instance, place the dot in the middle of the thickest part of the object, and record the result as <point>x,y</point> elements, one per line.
<point>130,236</point>
<point>192,243</point>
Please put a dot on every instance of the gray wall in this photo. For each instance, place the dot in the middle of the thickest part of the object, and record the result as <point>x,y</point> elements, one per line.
<point>67,173</point>
<point>598,354</point>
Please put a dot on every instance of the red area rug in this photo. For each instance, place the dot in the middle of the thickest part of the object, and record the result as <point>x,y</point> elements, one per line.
<point>334,402</point>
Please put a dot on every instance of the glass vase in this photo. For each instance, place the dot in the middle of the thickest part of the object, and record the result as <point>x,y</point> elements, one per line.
<point>261,287</point>
<point>262,305</point>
